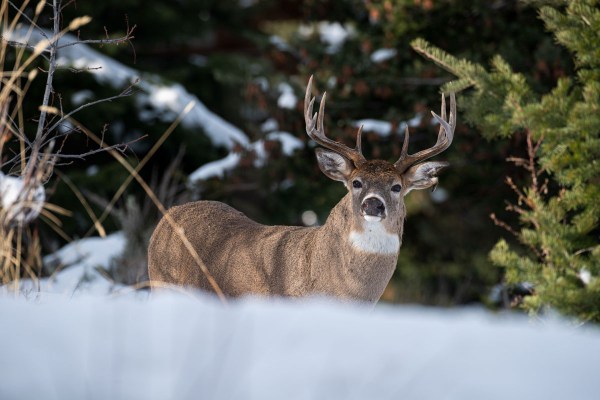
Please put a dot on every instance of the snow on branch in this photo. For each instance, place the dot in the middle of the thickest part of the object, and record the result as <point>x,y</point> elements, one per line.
<point>165,98</point>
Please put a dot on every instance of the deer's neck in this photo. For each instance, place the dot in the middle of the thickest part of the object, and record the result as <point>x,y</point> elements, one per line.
<point>375,238</point>
<point>361,256</point>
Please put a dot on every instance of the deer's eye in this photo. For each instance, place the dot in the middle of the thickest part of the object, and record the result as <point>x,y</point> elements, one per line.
<point>356,184</point>
<point>396,188</point>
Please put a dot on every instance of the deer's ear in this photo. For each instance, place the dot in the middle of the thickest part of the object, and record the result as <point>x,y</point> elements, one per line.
<point>334,165</point>
<point>423,176</point>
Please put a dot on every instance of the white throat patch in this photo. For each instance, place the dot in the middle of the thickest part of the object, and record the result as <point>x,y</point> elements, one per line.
<point>375,239</point>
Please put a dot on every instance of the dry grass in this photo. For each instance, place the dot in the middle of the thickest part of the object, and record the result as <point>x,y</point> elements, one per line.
<point>21,195</point>
<point>31,162</point>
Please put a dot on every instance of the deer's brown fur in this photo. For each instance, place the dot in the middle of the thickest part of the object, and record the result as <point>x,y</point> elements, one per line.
<point>306,262</point>
<point>352,256</point>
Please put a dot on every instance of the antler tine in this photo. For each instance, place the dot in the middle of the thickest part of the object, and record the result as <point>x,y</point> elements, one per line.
<point>316,130</point>
<point>359,139</point>
<point>444,139</point>
<point>404,152</point>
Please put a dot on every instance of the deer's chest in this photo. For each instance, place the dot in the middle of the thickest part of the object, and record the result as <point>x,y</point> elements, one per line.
<point>374,239</point>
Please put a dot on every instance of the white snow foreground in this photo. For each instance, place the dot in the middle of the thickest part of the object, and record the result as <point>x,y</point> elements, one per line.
<point>186,347</point>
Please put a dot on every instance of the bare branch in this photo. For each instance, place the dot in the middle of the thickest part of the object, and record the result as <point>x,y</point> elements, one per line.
<point>51,68</point>
<point>121,148</point>
<point>516,234</point>
<point>32,22</point>
<point>20,45</point>
<point>68,3</point>
<point>503,225</point>
<point>127,38</point>
<point>531,153</point>
<point>127,92</point>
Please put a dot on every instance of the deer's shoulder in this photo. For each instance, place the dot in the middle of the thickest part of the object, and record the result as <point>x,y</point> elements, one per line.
<point>206,209</point>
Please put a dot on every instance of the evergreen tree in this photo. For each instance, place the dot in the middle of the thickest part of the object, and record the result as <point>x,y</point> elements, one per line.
<point>558,206</point>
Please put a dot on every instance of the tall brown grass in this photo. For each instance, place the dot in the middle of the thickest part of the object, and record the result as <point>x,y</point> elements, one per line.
<point>34,160</point>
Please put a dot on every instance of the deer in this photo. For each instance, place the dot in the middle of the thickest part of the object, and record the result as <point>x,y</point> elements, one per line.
<point>351,257</point>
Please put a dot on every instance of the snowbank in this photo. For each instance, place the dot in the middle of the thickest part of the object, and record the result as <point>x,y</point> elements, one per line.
<point>178,347</point>
<point>63,343</point>
<point>78,273</point>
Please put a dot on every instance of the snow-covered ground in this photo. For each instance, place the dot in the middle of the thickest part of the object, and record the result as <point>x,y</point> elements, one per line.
<point>181,347</point>
<point>78,270</point>
<point>190,346</point>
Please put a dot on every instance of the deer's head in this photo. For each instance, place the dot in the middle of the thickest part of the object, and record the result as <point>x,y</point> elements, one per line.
<point>378,187</point>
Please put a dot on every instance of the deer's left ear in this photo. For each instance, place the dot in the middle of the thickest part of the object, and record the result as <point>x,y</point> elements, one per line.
<point>422,176</point>
<point>334,165</point>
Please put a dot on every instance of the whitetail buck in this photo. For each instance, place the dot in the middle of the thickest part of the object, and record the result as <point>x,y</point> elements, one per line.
<point>352,256</point>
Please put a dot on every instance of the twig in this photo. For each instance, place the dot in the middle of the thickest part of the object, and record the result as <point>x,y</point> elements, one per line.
<point>127,92</point>
<point>531,153</point>
<point>19,45</point>
<point>51,68</point>
<point>121,148</point>
<point>516,234</point>
<point>32,22</point>
<point>79,70</point>
<point>127,38</point>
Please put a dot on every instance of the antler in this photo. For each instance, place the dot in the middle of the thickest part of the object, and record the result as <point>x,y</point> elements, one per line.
<point>316,131</point>
<point>445,136</point>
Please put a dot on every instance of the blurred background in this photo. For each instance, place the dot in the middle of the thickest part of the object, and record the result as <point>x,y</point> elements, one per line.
<point>248,61</point>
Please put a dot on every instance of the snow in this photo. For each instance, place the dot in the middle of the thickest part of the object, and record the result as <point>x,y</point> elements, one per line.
<point>70,341</point>
<point>167,99</point>
<point>416,120</point>
<point>260,153</point>
<point>384,128</point>
<point>585,276</point>
<point>215,168</point>
<point>269,125</point>
<point>287,99</point>
<point>334,34</point>
<point>289,142</point>
<point>219,168</point>
<point>20,202</point>
<point>279,43</point>
<point>192,347</point>
<point>381,55</point>
<point>81,96</point>
<point>78,272</point>
<point>103,68</point>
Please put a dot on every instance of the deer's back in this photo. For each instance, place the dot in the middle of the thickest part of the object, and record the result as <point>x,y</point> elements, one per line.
<point>242,255</point>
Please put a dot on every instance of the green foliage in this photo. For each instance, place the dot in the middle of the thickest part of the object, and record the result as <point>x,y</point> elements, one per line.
<point>559,207</point>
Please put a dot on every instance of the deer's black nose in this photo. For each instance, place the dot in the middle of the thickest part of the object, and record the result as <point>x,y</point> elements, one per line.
<point>373,206</point>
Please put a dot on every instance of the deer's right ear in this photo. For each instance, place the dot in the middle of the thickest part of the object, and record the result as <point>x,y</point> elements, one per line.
<point>334,165</point>
<point>423,176</point>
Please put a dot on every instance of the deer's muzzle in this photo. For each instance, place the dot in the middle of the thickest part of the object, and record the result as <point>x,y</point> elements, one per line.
<point>373,207</point>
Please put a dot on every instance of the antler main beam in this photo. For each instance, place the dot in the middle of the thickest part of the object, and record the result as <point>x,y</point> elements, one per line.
<point>316,130</point>
<point>444,139</point>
